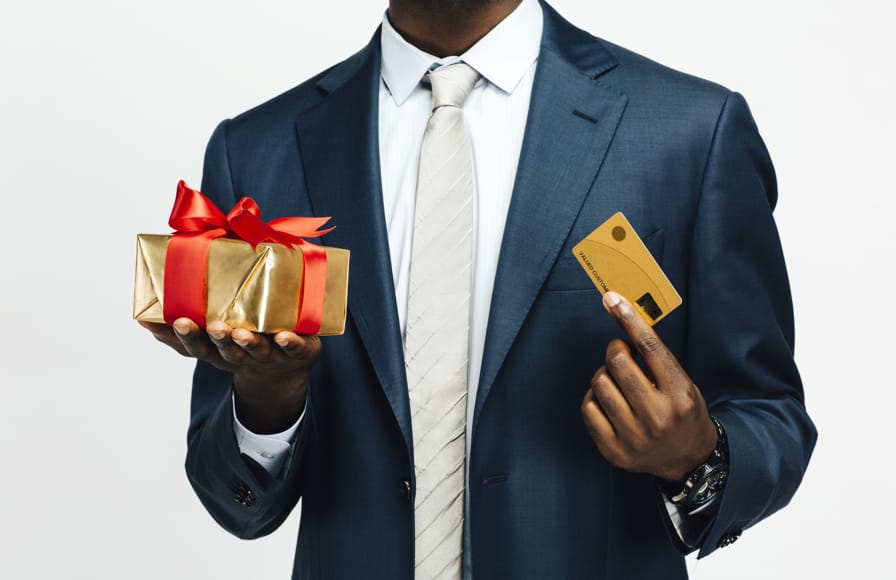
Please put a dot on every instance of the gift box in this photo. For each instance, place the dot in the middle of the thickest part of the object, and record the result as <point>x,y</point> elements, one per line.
<point>262,276</point>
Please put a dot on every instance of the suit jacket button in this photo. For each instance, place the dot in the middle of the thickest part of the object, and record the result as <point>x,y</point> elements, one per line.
<point>244,496</point>
<point>405,490</point>
<point>729,538</point>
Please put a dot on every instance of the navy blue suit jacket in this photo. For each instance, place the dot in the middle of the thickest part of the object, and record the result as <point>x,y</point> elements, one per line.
<point>608,130</point>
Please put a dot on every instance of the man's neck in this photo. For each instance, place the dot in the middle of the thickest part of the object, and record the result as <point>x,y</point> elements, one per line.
<point>447,27</point>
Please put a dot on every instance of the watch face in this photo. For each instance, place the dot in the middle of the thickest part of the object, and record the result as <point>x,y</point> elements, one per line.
<point>709,486</point>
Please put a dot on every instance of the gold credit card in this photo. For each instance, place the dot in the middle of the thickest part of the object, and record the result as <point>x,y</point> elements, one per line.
<point>616,259</point>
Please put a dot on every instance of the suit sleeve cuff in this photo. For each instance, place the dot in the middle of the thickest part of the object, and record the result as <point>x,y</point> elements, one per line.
<point>269,451</point>
<point>688,529</point>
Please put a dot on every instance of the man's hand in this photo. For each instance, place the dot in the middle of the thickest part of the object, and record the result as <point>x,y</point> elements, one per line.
<point>270,373</point>
<point>659,426</point>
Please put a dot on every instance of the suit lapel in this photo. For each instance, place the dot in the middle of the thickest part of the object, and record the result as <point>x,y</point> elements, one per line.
<point>339,143</point>
<point>572,120</point>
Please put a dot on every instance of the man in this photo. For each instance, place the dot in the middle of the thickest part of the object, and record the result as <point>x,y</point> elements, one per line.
<point>683,439</point>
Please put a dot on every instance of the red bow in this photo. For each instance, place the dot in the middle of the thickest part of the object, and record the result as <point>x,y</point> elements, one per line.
<point>197,221</point>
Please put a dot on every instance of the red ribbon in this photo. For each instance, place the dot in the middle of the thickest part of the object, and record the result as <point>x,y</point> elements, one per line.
<point>197,221</point>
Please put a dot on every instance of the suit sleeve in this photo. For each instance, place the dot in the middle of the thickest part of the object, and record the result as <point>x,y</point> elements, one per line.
<point>739,347</point>
<point>238,492</point>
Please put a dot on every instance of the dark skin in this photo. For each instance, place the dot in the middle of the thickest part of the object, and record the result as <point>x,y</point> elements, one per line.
<point>447,27</point>
<point>660,427</point>
<point>270,372</point>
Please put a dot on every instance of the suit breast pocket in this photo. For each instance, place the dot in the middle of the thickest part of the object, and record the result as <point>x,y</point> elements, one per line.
<point>567,274</point>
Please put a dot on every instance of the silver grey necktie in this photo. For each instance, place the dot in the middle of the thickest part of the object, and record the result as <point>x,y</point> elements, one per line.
<point>438,325</point>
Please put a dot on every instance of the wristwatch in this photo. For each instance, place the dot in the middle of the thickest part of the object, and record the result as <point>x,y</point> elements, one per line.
<point>704,485</point>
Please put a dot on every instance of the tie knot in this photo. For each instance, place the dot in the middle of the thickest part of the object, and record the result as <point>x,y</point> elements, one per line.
<point>451,84</point>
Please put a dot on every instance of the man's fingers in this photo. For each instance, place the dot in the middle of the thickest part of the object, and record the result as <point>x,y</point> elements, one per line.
<point>234,350</point>
<point>296,346</point>
<point>613,403</point>
<point>635,385</point>
<point>220,337</point>
<point>660,361</point>
<point>197,343</point>
<point>642,335</point>
<point>601,428</point>
<point>164,334</point>
<point>259,347</point>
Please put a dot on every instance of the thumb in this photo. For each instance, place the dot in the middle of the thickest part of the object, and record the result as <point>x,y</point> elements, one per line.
<point>628,317</point>
<point>617,306</point>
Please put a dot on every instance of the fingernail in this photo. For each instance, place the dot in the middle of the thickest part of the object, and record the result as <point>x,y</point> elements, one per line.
<point>281,340</point>
<point>240,338</point>
<point>181,327</point>
<point>611,299</point>
<point>216,333</point>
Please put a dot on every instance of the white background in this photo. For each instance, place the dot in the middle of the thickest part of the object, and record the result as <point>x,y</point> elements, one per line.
<point>105,105</point>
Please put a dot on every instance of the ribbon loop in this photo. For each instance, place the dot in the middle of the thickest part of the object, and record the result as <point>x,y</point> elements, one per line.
<point>193,212</point>
<point>197,221</point>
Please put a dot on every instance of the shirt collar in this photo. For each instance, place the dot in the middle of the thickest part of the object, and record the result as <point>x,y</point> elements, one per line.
<point>502,56</point>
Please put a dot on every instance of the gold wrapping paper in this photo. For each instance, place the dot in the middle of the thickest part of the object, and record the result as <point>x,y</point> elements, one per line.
<point>252,289</point>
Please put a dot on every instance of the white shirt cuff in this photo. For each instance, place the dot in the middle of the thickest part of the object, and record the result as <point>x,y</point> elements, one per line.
<point>675,516</point>
<point>269,451</point>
